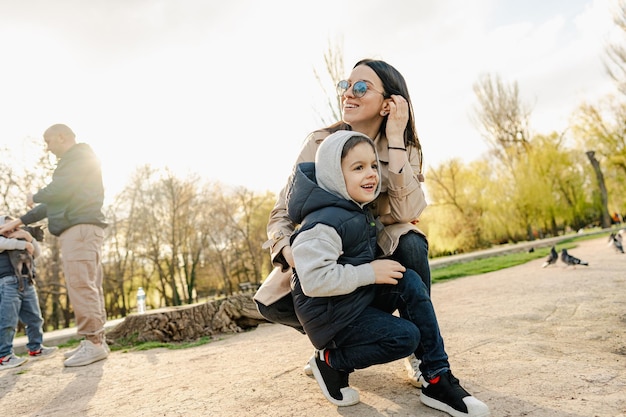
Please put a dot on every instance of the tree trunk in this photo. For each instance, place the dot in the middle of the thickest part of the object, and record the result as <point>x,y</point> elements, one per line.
<point>606,218</point>
<point>190,322</point>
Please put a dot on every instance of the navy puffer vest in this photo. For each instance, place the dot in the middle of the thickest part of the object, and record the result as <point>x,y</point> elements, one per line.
<point>323,317</point>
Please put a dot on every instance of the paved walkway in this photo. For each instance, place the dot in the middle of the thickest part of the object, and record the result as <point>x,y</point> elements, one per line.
<point>527,340</point>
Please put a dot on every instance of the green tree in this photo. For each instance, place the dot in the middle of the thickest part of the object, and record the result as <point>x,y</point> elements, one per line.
<point>457,205</point>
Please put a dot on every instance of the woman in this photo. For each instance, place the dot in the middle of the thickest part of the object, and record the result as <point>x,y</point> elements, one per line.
<point>375,101</point>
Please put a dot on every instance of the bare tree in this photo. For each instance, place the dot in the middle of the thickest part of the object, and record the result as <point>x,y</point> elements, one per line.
<point>333,58</point>
<point>501,117</point>
<point>221,251</point>
<point>615,62</point>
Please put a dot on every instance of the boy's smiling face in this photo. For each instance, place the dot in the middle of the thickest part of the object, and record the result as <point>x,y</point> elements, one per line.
<point>360,173</point>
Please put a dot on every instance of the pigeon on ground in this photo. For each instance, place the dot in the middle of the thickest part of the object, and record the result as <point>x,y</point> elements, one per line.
<point>616,241</point>
<point>571,260</point>
<point>552,258</point>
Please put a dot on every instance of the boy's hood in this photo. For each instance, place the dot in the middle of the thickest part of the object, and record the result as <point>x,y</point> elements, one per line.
<point>328,172</point>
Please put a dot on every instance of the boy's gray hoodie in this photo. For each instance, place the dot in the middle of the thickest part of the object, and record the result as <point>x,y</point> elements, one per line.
<point>333,247</point>
<point>316,250</point>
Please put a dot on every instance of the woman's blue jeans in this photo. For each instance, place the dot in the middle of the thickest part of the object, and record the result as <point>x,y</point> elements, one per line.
<point>378,336</point>
<point>19,305</point>
<point>412,253</point>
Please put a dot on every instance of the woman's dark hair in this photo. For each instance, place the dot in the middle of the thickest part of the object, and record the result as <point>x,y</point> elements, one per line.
<point>393,83</point>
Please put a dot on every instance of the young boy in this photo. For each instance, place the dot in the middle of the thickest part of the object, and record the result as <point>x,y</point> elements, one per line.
<point>344,297</point>
<point>18,300</point>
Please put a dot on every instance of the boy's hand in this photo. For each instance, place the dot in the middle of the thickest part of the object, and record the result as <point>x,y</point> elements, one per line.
<point>387,271</point>
<point>30,248</point>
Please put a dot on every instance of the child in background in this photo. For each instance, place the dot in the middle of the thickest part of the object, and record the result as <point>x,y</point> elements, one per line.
<point>17,303</point>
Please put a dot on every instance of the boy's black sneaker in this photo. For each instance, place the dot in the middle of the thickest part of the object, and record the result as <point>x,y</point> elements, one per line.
<point>444,393</point>
<point>334,384</point>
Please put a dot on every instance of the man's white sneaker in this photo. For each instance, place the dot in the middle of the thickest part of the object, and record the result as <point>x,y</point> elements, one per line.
<point>11,361</point>
<point>71,353</point>
<point>86,354</point>
<point>414,374</point>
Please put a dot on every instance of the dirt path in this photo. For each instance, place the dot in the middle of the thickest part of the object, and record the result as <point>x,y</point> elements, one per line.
<point>527,341</point>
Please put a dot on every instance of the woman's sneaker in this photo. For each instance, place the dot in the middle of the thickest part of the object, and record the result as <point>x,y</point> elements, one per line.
<point>412,365</point>
<point>334,384</point>
<point>307,369</point>
<point>444,393</point>
<point>43,352</point>
<point>11,361</point>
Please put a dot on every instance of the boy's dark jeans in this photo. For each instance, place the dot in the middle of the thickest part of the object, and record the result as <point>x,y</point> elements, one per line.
<point>378,336</point>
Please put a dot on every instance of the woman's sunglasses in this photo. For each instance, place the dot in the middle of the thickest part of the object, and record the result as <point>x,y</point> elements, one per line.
<point>359,88</point>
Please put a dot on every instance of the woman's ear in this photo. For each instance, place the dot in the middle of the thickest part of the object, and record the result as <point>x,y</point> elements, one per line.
<point>384,111</point>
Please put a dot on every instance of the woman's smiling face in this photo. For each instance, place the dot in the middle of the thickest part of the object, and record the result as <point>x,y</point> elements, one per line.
<point>362,113</point>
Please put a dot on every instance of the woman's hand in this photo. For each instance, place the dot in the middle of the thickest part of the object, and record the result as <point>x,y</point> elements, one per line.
<point>397,120</point>
<point>288,255</point>
<point>387,271</point>
<point>386,219</point>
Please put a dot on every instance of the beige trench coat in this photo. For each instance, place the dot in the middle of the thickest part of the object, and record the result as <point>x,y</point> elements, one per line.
<point>401,195</point>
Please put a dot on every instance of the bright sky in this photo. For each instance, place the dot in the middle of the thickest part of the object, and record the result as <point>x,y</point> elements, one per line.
<point>226,89</point>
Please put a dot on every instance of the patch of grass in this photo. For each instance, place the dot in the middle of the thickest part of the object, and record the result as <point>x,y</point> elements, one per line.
<point>498,262</point>
<point>72,343</point>
<point>482,266</point>
<point>132,344</point>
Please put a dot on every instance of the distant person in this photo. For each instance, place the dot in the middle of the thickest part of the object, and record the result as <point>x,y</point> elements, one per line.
<point>375,101</point>
<point>19,301</point>
<point>72,202</point>
<point>616,218</point>
<point>345,297</point>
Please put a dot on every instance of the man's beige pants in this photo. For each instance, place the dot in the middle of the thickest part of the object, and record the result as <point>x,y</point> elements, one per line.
<point>81,249</point>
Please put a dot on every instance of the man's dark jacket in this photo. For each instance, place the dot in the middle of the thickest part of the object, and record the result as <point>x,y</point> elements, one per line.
<point>74,196</point>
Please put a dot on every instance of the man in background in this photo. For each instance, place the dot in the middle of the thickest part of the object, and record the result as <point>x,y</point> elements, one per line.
<point>72,202</point>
